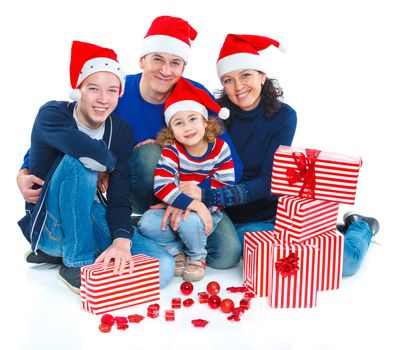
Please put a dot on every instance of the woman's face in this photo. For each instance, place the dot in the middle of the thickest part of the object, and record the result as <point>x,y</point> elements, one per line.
<point>243,87</point>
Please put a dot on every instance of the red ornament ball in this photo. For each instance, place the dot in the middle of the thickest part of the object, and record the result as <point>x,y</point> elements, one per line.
<point>214,301</point>
<point>105,328</point>
<point>213,288</point>
<point>186,288</point>
<point>227,305</point>
<point>107,319</point>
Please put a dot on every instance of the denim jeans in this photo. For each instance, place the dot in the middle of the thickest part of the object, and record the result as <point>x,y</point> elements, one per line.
<point>76,228</point>
<point>189,237</point>
<point>142,166</point>
<point>356,241</point>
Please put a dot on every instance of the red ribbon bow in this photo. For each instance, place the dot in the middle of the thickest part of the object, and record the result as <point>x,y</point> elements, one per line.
<point>305,172</point>
<point>287,266</point>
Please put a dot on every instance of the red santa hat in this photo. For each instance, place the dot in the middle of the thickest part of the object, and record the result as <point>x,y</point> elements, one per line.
<point>242,52</point>
<point>171,35</point>
<point>87,59</point>
<point>187,97</point>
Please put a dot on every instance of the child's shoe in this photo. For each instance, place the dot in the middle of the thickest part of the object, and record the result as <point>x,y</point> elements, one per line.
<point>194,270</point>
<point>179,264</point>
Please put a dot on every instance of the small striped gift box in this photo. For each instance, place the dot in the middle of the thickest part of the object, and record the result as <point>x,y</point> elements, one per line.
<point>296,284</point>
<point>102,291</point>
<point>298,219</point>
<point>314,174</point>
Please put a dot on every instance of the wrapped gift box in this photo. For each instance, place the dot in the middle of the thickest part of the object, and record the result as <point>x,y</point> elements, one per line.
<point>102,291</point>
<point>294,276</point>
<point>257,260</point>
<point>331,247</point>
<point>299,219</point>
<point>314,174</point>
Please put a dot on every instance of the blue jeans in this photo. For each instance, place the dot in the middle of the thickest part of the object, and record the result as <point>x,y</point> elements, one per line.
<point>142,166</point>
<point>356,241</point>
<point>76,228</point>
<point>189,237</point>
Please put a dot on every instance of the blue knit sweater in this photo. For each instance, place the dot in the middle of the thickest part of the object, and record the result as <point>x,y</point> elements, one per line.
<point>256,139</point>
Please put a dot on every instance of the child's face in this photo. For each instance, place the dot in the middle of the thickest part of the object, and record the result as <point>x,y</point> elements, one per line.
<point>99,97</point>
<point>188,127</point>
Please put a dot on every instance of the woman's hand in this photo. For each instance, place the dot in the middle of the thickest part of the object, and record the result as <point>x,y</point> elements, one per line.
<point>120,252</point>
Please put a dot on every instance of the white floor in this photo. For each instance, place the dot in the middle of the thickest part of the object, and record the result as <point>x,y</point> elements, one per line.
<point>40,313</point>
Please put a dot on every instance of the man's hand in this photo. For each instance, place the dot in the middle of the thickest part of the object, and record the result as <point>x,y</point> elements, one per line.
<point>145,142</point>
<point>103,182</point>
<point>25,183</point>
<point>120,252</point>
<point>191,189</point>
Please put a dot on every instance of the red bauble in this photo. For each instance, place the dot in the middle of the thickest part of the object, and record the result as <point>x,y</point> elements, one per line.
<point>213,288</point>
<point>214,301</point>
<point>105,327</point>
<point>186,288</point>
<point>107,319</point>
<point>227,305</point>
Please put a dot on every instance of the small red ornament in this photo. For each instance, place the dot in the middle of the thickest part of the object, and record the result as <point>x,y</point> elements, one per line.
<point>105,327</point>
<point>241,289</point>
<point>213,288</point>
<point>121,320</point>
<point>203,297</point>
<point>249,295</point>
<point>135,318</point>
<point>227,305</point>
<point>188,302</point>
<point>176,303</point>
<point>169,315</point>
<point>244,304</point>
<point>186,288</point>
<point>122,326</point>
<point>153,310</point>
<point>107,319</point>
<point>199,323</point>
<point>214,301</point>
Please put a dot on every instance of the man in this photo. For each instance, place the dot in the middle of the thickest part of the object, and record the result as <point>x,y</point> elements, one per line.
<point>165,53</point>
<point>72,145</point>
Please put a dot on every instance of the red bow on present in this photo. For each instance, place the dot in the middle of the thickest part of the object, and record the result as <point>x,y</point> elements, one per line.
<point>305,172</point>
<point>287,266</point>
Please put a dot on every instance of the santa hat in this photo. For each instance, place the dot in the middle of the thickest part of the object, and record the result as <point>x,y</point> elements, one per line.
<point>187,97</point>
<point>242,52</point>
<point>171,35</point>
<point>87,59</point>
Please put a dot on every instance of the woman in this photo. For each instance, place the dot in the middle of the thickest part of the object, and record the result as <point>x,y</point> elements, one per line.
<point>259,122</point>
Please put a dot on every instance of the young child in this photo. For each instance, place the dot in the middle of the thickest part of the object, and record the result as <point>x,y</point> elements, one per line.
<point>191,152</point>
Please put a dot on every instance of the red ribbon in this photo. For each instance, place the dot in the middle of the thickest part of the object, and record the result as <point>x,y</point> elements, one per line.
<point>305,172</point>
<point>287,266</point>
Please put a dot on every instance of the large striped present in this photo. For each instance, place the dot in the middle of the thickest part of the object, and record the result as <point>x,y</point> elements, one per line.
<point>102,291</point>
<point>257,260</point>
<point>294,276</point>
<point>331,247</point>
<point>298,218</point>
<point>315,174</point>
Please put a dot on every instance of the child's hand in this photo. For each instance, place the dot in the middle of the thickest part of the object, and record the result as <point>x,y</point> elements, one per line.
<point>204,214</point>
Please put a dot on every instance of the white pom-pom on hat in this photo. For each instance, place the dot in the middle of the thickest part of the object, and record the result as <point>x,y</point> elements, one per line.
<point>224,113</point>
<point>75,94</point>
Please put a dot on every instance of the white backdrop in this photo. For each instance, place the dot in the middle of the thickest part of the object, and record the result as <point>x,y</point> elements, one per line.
<point>341,74</point>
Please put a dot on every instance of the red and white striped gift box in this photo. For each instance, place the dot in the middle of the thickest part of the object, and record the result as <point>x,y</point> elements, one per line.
<point>297,290</point>
<point>298,219</point>
<point>257,260</point>
<point>335,175</point>
<point>102,291</point>
<point>331,248</point>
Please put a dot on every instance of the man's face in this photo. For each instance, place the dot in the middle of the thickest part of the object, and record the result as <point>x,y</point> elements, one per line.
<point>161,72</point>
<point>99,97</point>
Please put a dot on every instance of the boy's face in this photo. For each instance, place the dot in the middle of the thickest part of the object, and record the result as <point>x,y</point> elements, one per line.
<point>188,127</point>
<point>99,98</point>
<point>161,72</point>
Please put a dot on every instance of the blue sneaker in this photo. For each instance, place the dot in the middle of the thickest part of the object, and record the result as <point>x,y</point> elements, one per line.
<point>71,276</point>
<point>42,258</point>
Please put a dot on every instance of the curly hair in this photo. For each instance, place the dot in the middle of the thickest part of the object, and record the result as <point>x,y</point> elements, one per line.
<point>213,129</point>
<point>271,96</point>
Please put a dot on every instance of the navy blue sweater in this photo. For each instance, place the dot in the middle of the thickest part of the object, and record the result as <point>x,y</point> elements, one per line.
<point>54,134</point>
<point>256,139</point>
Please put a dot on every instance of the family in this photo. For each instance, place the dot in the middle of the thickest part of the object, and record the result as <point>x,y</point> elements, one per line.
<point>194,168</point>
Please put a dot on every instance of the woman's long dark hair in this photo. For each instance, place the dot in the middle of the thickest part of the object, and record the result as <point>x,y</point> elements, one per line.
<point>271,96</point>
